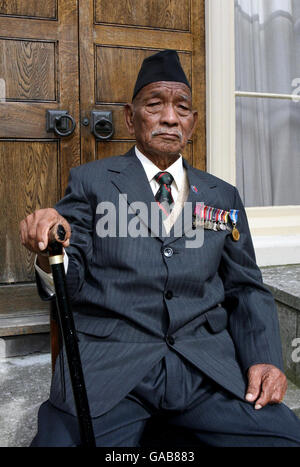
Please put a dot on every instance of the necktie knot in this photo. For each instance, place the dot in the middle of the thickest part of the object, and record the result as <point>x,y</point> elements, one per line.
<point>164,178</point>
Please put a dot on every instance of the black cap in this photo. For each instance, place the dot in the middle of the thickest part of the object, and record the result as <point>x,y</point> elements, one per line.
<point>162,66</point>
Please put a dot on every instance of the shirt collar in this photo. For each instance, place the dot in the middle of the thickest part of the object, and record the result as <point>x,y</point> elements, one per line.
<point>176,169</point>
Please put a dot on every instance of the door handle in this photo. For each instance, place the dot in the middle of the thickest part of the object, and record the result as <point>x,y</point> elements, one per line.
<point>60,122</point>
<point>102,124</point>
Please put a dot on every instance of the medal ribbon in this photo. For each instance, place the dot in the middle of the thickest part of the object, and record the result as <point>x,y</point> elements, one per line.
<point>210,214</point>
<point>234,216</point>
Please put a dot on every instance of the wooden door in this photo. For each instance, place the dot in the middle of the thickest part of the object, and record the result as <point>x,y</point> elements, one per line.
<point>115,37</point>
<point>78,56</point>
<point>38,71</point>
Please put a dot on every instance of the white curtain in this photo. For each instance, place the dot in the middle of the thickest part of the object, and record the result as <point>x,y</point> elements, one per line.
<point>268,130</point>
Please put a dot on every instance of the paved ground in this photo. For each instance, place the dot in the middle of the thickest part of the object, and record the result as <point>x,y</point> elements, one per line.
<point>24,385</point>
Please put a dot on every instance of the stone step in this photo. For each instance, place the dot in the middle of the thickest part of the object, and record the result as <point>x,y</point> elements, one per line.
<point>23,323</point>
<point>292,398</point>
<point>284,283</point>
<point>24,320</point>
<point>24,385</point>
<point>24,333</point>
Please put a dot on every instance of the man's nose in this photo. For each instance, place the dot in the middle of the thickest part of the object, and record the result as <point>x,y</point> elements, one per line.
<point>169,115</point>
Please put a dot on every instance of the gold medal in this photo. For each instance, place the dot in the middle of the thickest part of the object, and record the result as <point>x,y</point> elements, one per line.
<point>234,217</point>
<point>235,234</point>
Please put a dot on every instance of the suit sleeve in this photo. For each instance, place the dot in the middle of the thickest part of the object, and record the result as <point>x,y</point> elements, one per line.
<point>77,209</point>
<point>253,320</point>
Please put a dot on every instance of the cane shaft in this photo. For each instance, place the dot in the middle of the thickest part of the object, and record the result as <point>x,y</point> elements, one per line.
<point>73,356</point>
<point>55,333</point>
<point>68,332</point>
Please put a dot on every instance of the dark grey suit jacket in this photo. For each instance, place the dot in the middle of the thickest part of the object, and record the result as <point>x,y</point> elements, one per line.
<point>127,296</point>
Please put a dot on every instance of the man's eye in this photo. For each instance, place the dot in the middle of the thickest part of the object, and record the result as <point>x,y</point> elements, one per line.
<point>153,104</point>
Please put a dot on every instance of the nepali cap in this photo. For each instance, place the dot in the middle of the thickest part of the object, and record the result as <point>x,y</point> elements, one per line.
<point>162,66</point>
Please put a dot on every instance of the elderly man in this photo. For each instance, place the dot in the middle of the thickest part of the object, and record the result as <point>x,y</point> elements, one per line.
<point>182,331</point>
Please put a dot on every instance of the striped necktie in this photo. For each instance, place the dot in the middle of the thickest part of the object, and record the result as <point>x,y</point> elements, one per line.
<point>164,196</point>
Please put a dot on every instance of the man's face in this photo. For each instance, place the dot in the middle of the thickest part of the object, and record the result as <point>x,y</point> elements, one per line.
<point>161,118</point>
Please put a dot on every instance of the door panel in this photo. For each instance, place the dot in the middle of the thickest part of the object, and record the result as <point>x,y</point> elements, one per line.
<point>31,74</point>
<point>113,98</point>
<point>163,14</point>
<point>38,71</point>
<point>118,36</point>
<point>40,47</point>
<point>29,8</point>
<point>127,62</point>
<point>30,167</point>
<point>117,147</point>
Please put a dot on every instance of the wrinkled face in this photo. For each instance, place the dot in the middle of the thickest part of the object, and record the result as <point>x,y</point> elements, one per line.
<point>161,118</point>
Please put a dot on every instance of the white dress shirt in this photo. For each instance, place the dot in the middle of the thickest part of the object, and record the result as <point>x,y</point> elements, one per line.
<point>176,170</point>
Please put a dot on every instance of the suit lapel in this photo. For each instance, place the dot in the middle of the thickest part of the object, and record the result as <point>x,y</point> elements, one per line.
<point>131,180</point>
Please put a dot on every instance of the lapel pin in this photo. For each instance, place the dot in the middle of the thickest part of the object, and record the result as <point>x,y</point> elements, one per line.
<point>194,188</point>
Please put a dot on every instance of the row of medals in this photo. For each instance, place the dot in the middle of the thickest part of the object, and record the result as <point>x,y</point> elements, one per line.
<point>216,226</point>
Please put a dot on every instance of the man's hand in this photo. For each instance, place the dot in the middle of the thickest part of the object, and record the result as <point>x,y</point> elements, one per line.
<point>34,231</point>
<point>266,385</point>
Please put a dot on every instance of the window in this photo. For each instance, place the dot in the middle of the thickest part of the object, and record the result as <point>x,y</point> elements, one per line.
<point>267,44</point>
<point>253,139</point>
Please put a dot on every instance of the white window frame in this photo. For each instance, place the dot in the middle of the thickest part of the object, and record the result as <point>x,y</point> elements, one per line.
<point>275,230</point>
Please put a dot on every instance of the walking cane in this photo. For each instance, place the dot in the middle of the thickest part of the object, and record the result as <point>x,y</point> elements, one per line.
<point>66,321</point>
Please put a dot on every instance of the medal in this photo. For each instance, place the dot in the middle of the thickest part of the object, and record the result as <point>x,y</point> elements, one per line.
<point>235,234</point>
<point>234,217</point>
<point>218,219</point>
<point>227,226</point>
<point>206,211</point>
<point>210,221</point>
<point>214,219</point>
<point>222,220</point>
<point>198,218</point>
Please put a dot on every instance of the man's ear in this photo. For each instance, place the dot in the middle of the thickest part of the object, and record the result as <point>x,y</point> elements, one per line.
<point>128,111</point>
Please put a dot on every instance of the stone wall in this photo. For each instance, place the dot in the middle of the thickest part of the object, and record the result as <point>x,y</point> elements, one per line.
<point>284,283</point>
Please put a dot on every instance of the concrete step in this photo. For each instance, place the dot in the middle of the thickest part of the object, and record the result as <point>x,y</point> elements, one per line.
<point>283,282</point>
<point>23,333</point>
<point>292,398</point>
<point>24,323</point>
<point>24,385</point>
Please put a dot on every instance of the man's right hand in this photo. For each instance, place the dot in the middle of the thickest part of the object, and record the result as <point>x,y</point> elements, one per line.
<point>34,231</point>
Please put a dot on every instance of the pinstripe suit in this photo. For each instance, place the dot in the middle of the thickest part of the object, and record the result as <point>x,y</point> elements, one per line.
<point>133,304</point>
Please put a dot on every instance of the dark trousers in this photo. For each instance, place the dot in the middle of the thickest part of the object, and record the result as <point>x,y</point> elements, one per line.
<point>182,396</point>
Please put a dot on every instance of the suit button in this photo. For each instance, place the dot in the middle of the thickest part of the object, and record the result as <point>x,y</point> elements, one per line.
<point>170,340</point>
<point>169,294</point>
<point>168,252</point>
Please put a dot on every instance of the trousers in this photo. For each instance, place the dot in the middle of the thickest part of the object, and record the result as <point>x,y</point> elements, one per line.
<point>177,393</point>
